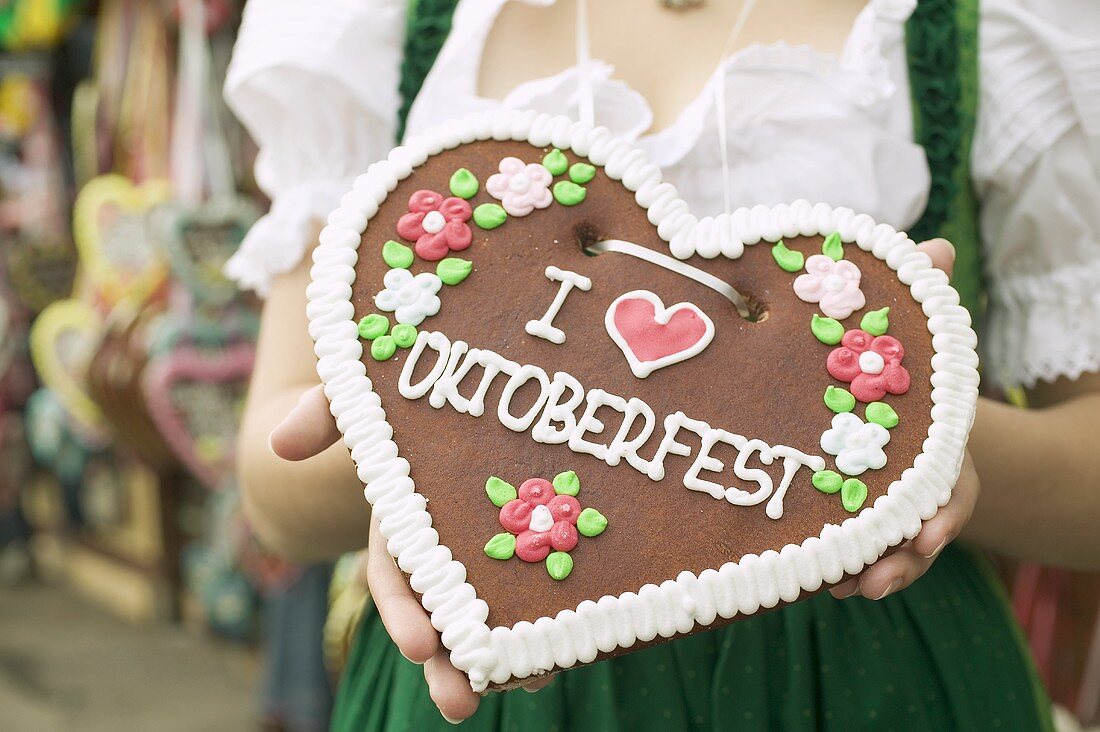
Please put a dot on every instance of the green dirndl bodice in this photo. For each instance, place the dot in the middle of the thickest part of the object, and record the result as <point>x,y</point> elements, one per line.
<point>943,654</point>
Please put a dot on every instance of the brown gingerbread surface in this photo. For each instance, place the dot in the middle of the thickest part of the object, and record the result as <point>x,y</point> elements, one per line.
<point>762,380</point>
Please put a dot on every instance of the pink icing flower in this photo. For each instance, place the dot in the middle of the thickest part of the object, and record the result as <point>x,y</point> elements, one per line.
<point>834,285</point>
<point>872,365</point>
<point>437,225</point>
<point>541,520</point>
<point>520,188</point>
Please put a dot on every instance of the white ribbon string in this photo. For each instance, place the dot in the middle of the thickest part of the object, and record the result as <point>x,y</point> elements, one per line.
<point>586,102</point>
<point>200,157</point>
<point>706,279</point>
<point>186,144</point>
<point>720,100</point>
<point>585,96</point>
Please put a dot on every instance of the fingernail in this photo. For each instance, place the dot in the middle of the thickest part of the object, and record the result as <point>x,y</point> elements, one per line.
<point>449,720</point>
<point>269,445</point>
<point>893,586</point>
<point>938,549</point>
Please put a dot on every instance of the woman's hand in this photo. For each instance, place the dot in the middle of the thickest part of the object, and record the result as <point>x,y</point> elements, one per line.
<point>911,560</point>
<point>310,429</point>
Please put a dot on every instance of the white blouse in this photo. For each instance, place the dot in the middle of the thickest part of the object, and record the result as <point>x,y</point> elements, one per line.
<point>800,124</point>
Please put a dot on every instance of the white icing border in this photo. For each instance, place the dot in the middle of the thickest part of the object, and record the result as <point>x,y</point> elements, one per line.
<point>495,655</point>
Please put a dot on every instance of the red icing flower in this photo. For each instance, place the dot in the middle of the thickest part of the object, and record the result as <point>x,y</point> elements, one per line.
<point>437,225</point>
<point>541,520</point>
<point>872,365</point>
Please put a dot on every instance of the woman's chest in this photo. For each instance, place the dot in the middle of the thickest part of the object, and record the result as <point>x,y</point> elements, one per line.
<point>775,123</point>
<point>664,54</point>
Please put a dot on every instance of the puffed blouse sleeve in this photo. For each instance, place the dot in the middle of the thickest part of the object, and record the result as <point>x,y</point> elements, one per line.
<point>1036,166</point>
<point>315,83</point>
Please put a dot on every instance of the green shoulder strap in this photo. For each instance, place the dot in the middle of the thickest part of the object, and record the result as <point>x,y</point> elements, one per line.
<point>427,24</point>
<point>942,45</point>
<point>942,40</point>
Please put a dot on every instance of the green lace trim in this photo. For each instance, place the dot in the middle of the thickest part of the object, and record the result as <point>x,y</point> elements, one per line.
<point>941,42</point>
<point>427,25</point>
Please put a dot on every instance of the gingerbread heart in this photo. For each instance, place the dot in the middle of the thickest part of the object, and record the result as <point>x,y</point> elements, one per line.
<point>63,339</point>
<point>587,419</point>
<point>200,240</point>
<point>195,396</point>
<point>111,229</point>
<point>41,272</point>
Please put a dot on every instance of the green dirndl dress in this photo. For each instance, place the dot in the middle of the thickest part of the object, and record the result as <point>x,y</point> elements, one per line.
<point>943,654</point>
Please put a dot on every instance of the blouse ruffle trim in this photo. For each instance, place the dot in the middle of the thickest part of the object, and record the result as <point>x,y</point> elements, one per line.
<point>277,242</point>
<point>1044,327</point>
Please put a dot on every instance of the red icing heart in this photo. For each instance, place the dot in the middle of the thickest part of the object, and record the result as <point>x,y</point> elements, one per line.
<point>653,336</point>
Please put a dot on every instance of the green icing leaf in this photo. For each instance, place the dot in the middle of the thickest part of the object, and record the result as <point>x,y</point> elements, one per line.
<point>581,172</point>
<point>464,184</point>
<point>453,270</point>
<point>788,259</point>
<point>567,483</point>
<point>827,330</point>
<point>839,400</point>
<point>489,216</point>
<point>591,522</point>
<point>383,348</point>
<point>883,414</point>
<point>397,255</point>
<point>555,162</point>
<point>876,321</point>
<point>827,481</point>
<point>500,491</point>
<point>853,494</point>
<point>373,326</point>
<point>568,193</point>
<point>501,546</point>
<point>404,335</point>
<point>833,248</point>
<point>559,565</point>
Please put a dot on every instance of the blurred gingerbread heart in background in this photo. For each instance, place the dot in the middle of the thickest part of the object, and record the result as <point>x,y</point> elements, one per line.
<point>195,397</point>
<point>113,238</point>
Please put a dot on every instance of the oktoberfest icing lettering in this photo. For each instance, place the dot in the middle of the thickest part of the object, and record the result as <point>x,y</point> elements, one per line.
<point>544,327</point>
<point>552,419</point>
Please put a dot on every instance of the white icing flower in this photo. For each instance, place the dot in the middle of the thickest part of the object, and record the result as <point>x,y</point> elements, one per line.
<point>520,188</point>
<point>411,298</point>
<point>857,446</point>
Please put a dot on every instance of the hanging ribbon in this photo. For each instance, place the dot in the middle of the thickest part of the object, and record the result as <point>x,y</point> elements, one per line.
<point>200,158</point>
<point>141,142</point>
<point>586,96</point>
<point>720,100</point>
<point>586,104</point>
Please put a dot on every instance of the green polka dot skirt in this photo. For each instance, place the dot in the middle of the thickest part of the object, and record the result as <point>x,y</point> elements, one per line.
<point>944,654</point>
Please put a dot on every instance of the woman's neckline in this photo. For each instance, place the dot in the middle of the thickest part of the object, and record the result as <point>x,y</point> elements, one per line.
<point>474,20</point>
